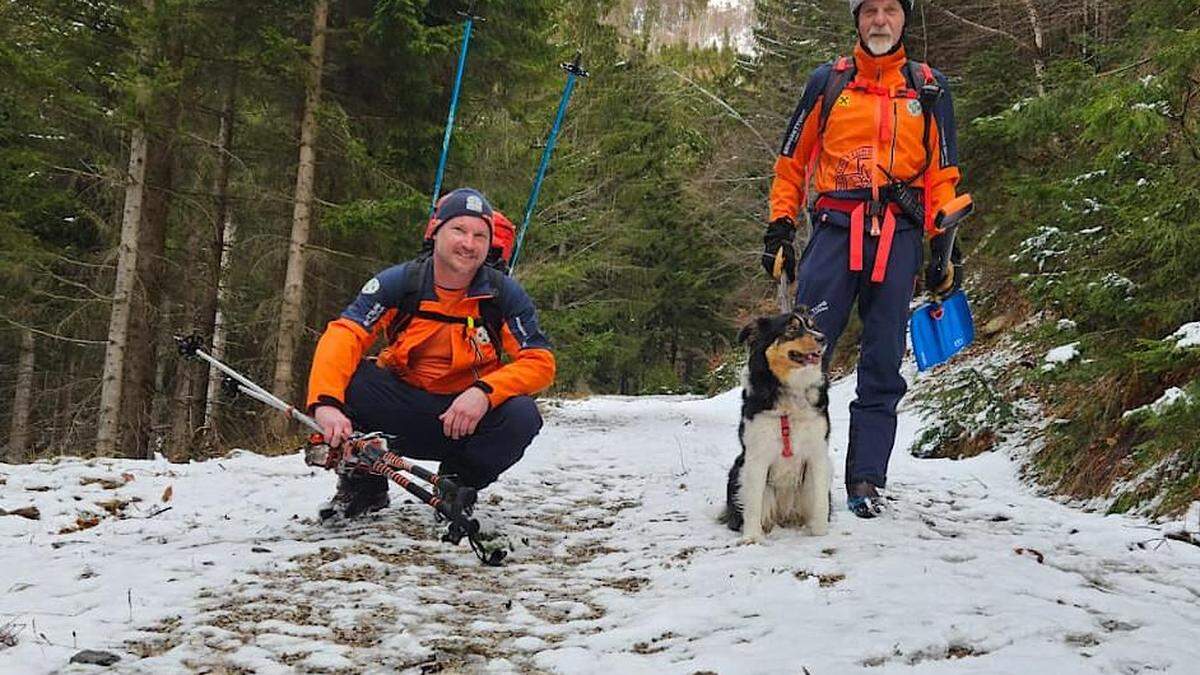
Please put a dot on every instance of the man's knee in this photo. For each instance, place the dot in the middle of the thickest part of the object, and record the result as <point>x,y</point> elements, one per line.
<point>520,418</point>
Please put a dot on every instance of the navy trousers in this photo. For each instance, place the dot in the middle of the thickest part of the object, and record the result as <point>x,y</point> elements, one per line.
<point>826,286</point>
<point>377,400</point>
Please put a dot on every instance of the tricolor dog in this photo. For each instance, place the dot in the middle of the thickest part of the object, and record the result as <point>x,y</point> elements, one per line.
<point>783,475</point>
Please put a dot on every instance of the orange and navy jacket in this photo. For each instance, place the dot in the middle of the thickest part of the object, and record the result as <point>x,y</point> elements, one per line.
<point>472,357</point>
<point>876,121</point>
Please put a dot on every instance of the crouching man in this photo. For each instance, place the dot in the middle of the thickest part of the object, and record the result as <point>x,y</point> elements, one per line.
<point>439,386</point>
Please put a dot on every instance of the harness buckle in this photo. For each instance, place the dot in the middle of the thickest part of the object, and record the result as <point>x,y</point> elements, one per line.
<point>875,211</point>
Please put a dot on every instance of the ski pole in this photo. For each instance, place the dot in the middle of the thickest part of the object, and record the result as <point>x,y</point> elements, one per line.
<point>372,454</point>
<point>372,450</point>
<point>458,76</point>
<point>190,347</point>
<point>574,70</point>
<point>783,295</point>
<point>375,453</point>
<point>454,511</point>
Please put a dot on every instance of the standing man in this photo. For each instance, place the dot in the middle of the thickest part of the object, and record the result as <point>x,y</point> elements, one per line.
<point>874,136</point>
<point>439,385</point>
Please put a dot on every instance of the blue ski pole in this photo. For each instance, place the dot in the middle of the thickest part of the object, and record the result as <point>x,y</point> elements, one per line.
<point>462,66</point>
<point>574,70</point>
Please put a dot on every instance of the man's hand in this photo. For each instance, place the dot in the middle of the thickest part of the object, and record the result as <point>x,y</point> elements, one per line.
<point>334,424</point>
<point>941,280</point>
<point>778,249</point>
<point>463,415</point>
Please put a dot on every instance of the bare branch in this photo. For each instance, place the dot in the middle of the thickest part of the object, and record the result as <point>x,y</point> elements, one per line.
<point>734,113</point>
<point>987,29</point>
<point>53,336</point>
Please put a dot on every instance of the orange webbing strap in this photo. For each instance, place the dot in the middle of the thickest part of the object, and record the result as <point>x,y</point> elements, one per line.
<point>885,246</point>
<point>856,236</point>
<point>857,210</point>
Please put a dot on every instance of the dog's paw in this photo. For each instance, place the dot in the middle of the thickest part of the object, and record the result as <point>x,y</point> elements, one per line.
<point>818,529</point>
<point>751,538</point>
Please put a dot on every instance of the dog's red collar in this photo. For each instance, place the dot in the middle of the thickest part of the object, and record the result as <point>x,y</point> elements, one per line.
<point>785,430</point>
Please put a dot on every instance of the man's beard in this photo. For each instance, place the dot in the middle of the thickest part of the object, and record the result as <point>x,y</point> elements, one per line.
<point>879,45</point>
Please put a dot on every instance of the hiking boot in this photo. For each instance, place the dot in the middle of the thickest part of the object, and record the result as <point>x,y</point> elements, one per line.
<point>863,500</point>
<point>356,495</point>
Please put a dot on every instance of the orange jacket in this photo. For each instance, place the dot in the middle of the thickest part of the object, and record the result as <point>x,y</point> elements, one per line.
<point>472,357</point>
<point>873,123</point>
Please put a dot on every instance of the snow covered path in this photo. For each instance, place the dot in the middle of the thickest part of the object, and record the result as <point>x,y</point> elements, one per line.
<point>621,568</point>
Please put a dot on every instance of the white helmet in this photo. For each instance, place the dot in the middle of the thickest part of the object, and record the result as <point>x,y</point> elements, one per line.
<point>906,4</point>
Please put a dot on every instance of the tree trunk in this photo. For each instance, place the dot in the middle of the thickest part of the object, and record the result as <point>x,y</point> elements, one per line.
<point>113,380</point>
<point>290,313</point>
<point>18,439</point>
<point>67,415</point>
<point>1039,59</point>
<point>218,333</point>
<point>140,367</point>
<point>191,378</point>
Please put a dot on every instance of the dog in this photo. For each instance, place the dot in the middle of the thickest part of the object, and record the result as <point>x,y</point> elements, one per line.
<point>782,477</point>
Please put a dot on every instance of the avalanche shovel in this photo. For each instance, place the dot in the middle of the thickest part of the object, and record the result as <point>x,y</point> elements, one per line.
<point>942,327</point>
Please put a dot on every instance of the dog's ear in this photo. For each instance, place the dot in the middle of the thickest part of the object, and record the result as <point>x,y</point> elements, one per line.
<point>748,332</point>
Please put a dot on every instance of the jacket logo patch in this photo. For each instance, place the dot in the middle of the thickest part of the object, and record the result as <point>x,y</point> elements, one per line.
<point>914,107</point>
<point>370,287</point>
<point>844,100</point>
<point>853,170</point>
<point>481,336</point>
<point>372,316</point>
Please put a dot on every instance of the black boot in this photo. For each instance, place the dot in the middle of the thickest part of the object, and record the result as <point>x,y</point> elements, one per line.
<point>356,495</point>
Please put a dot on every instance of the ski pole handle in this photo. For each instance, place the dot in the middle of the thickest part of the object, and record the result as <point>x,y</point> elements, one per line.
<point>190,347</point>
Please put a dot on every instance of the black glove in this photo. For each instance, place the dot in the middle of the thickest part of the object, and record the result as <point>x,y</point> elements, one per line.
<point>941,280</point>
<point>779,236</point>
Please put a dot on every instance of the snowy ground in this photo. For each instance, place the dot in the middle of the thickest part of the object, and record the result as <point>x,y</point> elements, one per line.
<point>621,569</point>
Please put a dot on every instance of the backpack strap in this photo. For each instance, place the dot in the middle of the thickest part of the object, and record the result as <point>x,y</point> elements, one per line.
<point>928,93</point>
<point>492,309</point>
<point>409,305</point>
<point>843,74</point>
<point>918,74</point>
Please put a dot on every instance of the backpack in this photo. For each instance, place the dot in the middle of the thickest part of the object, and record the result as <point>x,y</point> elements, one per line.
<point>843,74</point>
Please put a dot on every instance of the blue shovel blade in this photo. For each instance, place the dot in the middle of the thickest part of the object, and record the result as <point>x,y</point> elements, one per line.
<point>939,331</point>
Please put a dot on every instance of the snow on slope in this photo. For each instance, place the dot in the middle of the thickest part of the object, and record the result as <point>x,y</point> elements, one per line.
<point>621,568</point>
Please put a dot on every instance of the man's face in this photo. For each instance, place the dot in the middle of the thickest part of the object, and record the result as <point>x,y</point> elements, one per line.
<point>461,244</point>
<point>880,23</point>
